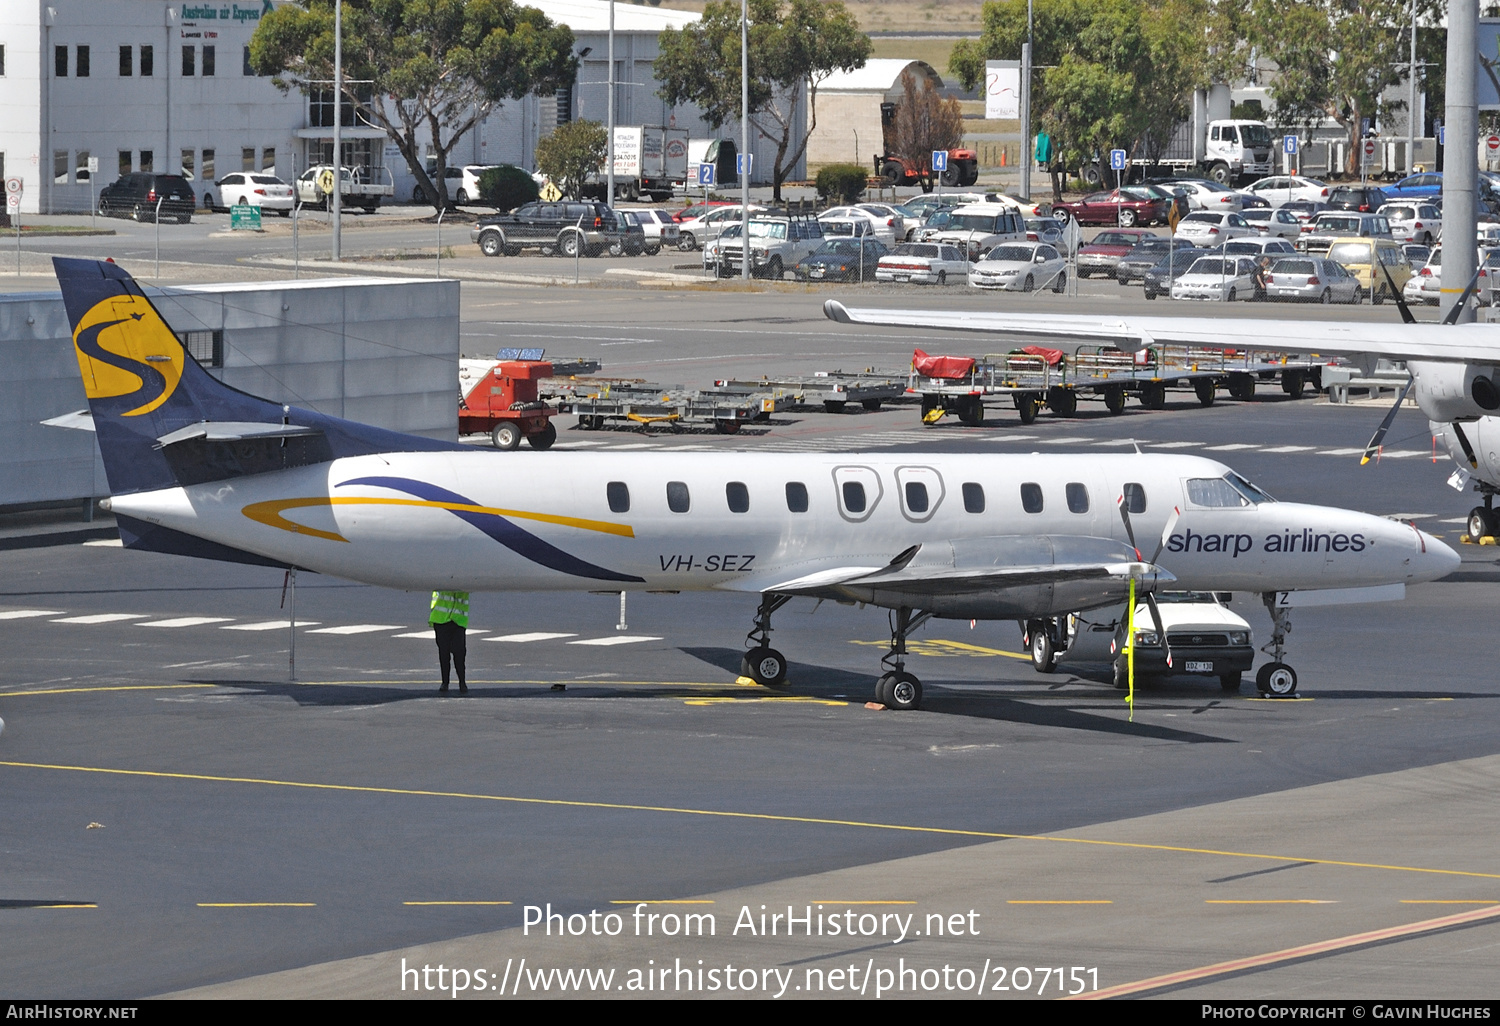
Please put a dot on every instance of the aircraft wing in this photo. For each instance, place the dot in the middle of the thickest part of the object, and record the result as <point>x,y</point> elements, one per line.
<point>1458,343</point>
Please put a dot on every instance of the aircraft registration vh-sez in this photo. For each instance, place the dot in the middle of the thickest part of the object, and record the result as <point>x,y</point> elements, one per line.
<point>198,468</point>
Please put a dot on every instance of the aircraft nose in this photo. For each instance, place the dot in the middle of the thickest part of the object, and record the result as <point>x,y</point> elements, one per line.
<point>1434,558</point>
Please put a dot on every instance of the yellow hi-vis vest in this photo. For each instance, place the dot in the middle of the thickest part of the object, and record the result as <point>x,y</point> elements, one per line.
<point>450,605</point>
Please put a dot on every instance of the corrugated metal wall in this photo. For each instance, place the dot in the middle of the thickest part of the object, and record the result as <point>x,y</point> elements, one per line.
<point>372,350</point>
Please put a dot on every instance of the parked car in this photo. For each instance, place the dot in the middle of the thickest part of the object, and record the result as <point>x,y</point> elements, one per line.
<point>1426,285</point>
<point>929,263</point>
<point>696,232</point>
<point>1413,222</point>
<point>980,227</point>
<point>776,243</point>
<point>633,237</point>
<point>1207,195</point>
<point>1217,278</point>
<point>693,210</point>
<point>883,228</point>
<point>251,188</point>
<point>731,233</point>
<point>462,183</point>
<point>1020,267</point>
<point>1210,228</point>
<point>570,228</point>
<point>659,227</point>
<point>1046,229</point>
<point>1159,280</point>
<point>1124,207</point>
<point>1280,190</point>
<point>1319,233</point>
<point>894,217</point>
<point>1257,247</point>
<point>139,194</point>
<point>1359,256</point>
<point>1364,198</point>
<point>1304,210</point>
<point>1206,638</point>
<point>1273,221</point>
<point>1150,251</point>
<point>852,259</point>
<point>1416,254</point>
<point>1424,185</point>
<point>1103,253</point>
<point>360,188</point>
<point>1310,279</point>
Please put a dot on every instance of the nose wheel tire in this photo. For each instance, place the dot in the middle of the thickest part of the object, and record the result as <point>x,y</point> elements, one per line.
<point>900,691</point>
<point>765,666</point>
<point>1276,679</point>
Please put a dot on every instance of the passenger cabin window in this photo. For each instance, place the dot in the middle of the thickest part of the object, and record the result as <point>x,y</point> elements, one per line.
<point>1135,498</point>
<point>854,497</point>
<point>796,497</point>
<point>1078,497</point>
<point>916,497</point>
<point>738,497</point>
<point>678,500</point>
<point>618,493</point>
<point>1031,497</point>
<point>973,497</point>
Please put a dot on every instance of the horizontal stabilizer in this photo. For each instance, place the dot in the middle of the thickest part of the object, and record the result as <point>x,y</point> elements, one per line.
<point>233,431</point>
<point>78,420</point>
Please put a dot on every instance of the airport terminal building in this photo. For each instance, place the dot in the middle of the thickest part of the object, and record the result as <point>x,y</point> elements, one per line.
<point>166,86</point>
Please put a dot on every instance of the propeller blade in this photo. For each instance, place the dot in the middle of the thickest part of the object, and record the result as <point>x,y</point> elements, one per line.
<point>1166,532</point>
<point>1385,425</point>
<point>1161,631</point>
<point>1129,530</point>
<point>1463,300</point>
<point>1406,314</point>
<point>1463,440</point>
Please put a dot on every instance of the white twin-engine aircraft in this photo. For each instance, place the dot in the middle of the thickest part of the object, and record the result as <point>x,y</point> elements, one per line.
<point>198,468</point>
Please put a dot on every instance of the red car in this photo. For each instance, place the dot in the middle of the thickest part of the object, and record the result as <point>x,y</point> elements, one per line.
<point>698,210</point>
<point>1124,207</point>
<point>1103,254</point>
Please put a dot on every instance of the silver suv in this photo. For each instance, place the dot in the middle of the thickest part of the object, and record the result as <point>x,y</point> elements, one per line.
<point>776,244</point>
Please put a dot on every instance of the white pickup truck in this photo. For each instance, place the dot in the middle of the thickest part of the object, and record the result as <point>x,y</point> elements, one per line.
<point>1205,636</point>
<point>361,187</point>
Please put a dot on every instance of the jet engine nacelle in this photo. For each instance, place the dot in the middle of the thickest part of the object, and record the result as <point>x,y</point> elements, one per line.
<point>1456,391</point>
<point>1484,438</point>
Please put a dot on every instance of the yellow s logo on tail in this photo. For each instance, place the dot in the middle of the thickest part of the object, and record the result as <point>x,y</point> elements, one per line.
<point>125,350</point>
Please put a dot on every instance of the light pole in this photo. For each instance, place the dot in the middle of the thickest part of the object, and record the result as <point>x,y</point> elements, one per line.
<point>1026,109</point>
<point>336,206</point>
<point>745,140</point>
<point>1411,102</point>
<point>609,158</point>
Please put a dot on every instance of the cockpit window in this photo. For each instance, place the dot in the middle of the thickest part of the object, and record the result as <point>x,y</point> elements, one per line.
<point>1229,491</point>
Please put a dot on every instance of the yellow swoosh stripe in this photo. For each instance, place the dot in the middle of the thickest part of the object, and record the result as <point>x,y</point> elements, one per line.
<point>270,514</point>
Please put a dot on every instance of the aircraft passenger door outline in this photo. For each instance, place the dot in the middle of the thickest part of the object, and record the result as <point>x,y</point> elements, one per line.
<point>859,491</point>
<point>920,492</point>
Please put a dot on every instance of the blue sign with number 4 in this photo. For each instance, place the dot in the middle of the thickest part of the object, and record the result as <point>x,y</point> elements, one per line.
<point>940,160</point>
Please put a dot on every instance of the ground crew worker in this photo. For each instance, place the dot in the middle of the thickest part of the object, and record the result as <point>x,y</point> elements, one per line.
<point>450,620</point>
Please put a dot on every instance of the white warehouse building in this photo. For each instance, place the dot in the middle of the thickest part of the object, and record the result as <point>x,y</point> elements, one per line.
<point>165,86</point>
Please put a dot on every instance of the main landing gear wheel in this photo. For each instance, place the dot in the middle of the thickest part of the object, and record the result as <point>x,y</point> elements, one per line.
<point>903,691</point>
<point>1043,652</point>
<point>765,666</point>
<point>897,689</point>
<point>1120,674</point>
<point>1276,679</point>
<point>1482,523</point>
<point>506,435</point>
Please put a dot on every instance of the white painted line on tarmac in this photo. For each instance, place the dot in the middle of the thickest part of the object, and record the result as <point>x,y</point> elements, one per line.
<point>1232,446</point>
<point>615,639</point>
<point>429,636</point>
<point>358,628</point>
<point>269,625</point>
<point>186,621</point>
<point>638,445</point>
<point>1070,440</point>
<point>1340,452</point>
<point>1173,445</point>
<point>1402,454</point>
<point>21,614</point>
<point>1290,448</point>
<point>102,618</point>
<point>533,636</point>
<point>106,543</point>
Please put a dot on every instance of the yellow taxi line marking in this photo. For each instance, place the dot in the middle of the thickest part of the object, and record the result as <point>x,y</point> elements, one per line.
<point>1268,901</point>
<point>797,699</point>
<point>457,903</point>
<point>257,904</point>
<point>1286,954</point>
<point>70,904</point>
<point>129,687</point>
<point>1091,902</point>
<point>765,817</point>
<point>663,901</point>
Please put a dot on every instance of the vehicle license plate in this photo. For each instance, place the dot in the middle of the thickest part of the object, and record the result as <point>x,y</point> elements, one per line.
<point>902,277</point>
<point>1200,667</point>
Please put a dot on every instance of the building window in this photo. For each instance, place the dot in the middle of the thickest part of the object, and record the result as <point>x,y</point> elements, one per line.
<point>148,61</point>
<point>268,159</point>
<point>207,347</point>
<point>59,167</point>
<point>124,162</point>
<point>246,69</point>
<point>81,172</point>
<point>82,66</point>
<point>60,61</point>
<point>127,61</point>
<point>148,161</point>
<point>188,164</point>
<point>208,165</point>
<point>189,61</point>
<point>208,62</point>
<point>247,158</point>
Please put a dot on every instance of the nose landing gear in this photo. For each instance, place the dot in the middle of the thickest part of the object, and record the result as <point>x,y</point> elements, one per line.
<point>897,689</point>
<point>762,663</point>
<point>1276,677</point>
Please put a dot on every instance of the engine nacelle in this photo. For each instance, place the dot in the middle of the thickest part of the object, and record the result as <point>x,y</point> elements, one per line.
<point>1455,391</point>
<point>1484,438</point>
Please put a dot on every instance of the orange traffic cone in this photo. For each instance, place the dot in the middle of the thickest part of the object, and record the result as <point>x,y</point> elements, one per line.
<point>1002,157</point>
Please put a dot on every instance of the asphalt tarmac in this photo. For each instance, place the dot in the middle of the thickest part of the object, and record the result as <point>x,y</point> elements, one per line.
<point>180,816</point>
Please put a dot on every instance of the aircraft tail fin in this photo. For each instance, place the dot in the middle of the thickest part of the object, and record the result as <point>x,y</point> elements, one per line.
<point>163,421</point>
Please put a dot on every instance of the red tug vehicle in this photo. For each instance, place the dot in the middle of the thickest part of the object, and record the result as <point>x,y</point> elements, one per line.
<point>505,402</point>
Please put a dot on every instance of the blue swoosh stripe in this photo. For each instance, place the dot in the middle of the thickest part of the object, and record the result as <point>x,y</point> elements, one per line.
<point>519,541</point>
